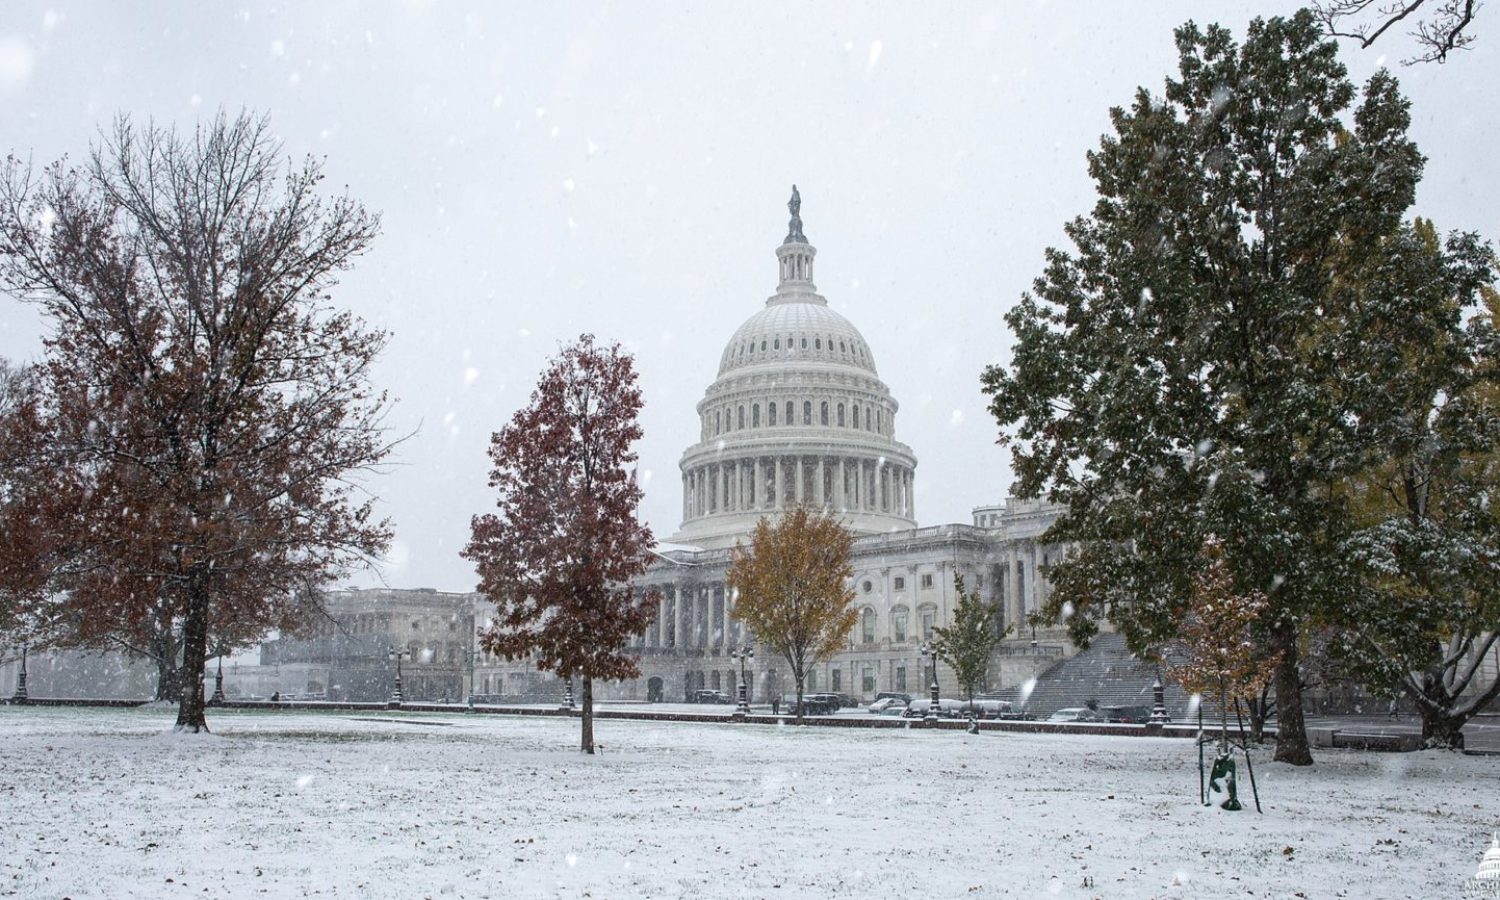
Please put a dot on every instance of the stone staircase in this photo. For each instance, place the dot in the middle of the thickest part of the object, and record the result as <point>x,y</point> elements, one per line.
<point>1106,673</point>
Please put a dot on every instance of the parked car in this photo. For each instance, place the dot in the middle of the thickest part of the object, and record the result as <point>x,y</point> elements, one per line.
<point>947,709</point>
<point>1074,714</point>
<point>1132,715</point>
<point>711,697</point>
<point>894,695</point>
<point>882,704</point>
<point>988,709</point>
<point>812,704</point>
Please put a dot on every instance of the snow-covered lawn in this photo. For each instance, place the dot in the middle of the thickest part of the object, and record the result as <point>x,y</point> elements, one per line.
<point>108,803</point>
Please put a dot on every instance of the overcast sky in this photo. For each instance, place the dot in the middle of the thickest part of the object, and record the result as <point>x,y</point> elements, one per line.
<point>548,169</point>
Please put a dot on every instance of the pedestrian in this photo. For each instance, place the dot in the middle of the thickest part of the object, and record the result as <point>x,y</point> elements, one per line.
<point>775,706</point>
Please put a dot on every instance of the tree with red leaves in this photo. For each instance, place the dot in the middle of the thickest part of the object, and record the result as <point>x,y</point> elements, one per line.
<point>559,556</point>
<point>190,458</point>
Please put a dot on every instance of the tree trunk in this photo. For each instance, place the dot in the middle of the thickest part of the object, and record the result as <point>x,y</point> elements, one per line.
<point>164,648</point>
<point>800,678</point>
<point>1441,730</point>
<point>168,687</point>
<point>190,716</point>
<point>1259,707</point>
<point>588,715</point>
<point>1291,730</point>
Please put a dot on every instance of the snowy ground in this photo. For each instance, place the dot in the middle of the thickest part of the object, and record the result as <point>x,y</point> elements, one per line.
<point>107,803</point>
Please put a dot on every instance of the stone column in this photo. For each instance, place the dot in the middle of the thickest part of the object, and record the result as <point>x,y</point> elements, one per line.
<point>780,491</point>
<point>677,597</point>
<point>840,492</point>
<point>820,494</point>
<point>797,488</point>
<point>686,493</point>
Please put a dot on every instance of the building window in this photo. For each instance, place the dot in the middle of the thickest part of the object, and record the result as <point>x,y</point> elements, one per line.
<point>928,616</point>
<point>867,626</point>
<point>841,416</point>
<point>713,680</point>
<point>865,587</point>
<point>898,623</point>
<point>838,681</point>
<point>755,416</point>
<point>804,343</point>
<point>867,681</point>
<point>807,412</point>
<point>817,343</point>
<point>812,682</point>
<point>900,583</point>
<point>790,419</point>
<point>926,581</point>
<point>771,413</point>
<point>901,678</point>
<point>742,417</point>
<point>854,411</point>
<point>825,412</point>
<point>718,422</point>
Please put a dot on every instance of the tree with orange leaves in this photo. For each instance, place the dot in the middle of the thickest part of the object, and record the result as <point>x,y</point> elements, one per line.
<point>559,556</point>
<point>793,592</point>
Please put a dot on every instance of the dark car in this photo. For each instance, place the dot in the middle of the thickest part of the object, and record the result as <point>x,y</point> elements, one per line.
<point>816,705</point>
<point>1130,715</point>
<point>711,697</point>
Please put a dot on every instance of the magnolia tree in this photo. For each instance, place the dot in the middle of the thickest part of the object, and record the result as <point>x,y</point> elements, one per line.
<point>559,555</point>
<point>792,589</point>
<point>1216,352</point>
<point>190,462</point>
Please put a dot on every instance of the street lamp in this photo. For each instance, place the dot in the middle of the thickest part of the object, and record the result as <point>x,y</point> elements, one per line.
<point>218,698</point>
<point>397,655</point>
<point>744,656</point>
<point>567,703</point>
<point>930,652</point>
<point>20,695</point>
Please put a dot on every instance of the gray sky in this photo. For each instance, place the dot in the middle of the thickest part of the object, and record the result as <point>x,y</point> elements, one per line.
<point>549,169</point>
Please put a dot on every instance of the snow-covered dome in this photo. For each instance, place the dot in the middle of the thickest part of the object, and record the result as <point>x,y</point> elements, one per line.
<point>797,328</point>
<point>797,415</point>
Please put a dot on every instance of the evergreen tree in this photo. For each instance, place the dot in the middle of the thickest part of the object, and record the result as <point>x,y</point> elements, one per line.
<point>1212,356</point>
<point>966,644</point>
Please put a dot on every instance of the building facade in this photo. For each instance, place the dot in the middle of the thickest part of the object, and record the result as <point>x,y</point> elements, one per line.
<point>798,414</point>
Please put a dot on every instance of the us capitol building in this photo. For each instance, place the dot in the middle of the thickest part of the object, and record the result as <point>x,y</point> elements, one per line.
<point>798,415</point>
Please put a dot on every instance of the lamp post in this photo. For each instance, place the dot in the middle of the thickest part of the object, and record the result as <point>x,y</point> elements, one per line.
<point>20,695</point>
<point>1159,700</point>
<point>746,655</point>
<point>930,653</point>
<point>397,655</point>
<point>218,698</point>
<point>567,703</point>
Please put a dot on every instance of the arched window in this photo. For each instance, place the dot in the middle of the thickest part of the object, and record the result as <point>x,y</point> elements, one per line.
<point>776,344</point>
<point>771,413</point>
<point>790,418</point>
<point>804,343</point>
<point>718,421</point>
<point>825,412</point>
<point>755,416</point>
<point>867,626</point>
<point>854,411</point>
<point>763,346</point>
<point>817,343</point>
<point>807,412</point>
<point>927,616</point>
<point>841,415</point>
<point>742,417</point>
<point>899,617</point>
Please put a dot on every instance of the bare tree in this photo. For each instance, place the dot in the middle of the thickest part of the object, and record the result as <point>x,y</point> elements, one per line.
<point>1438,26</point>
<point>203,416</point>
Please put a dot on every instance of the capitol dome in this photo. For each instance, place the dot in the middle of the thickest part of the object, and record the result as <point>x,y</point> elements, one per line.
<point>797,415</point>
<point>1489,867</point>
